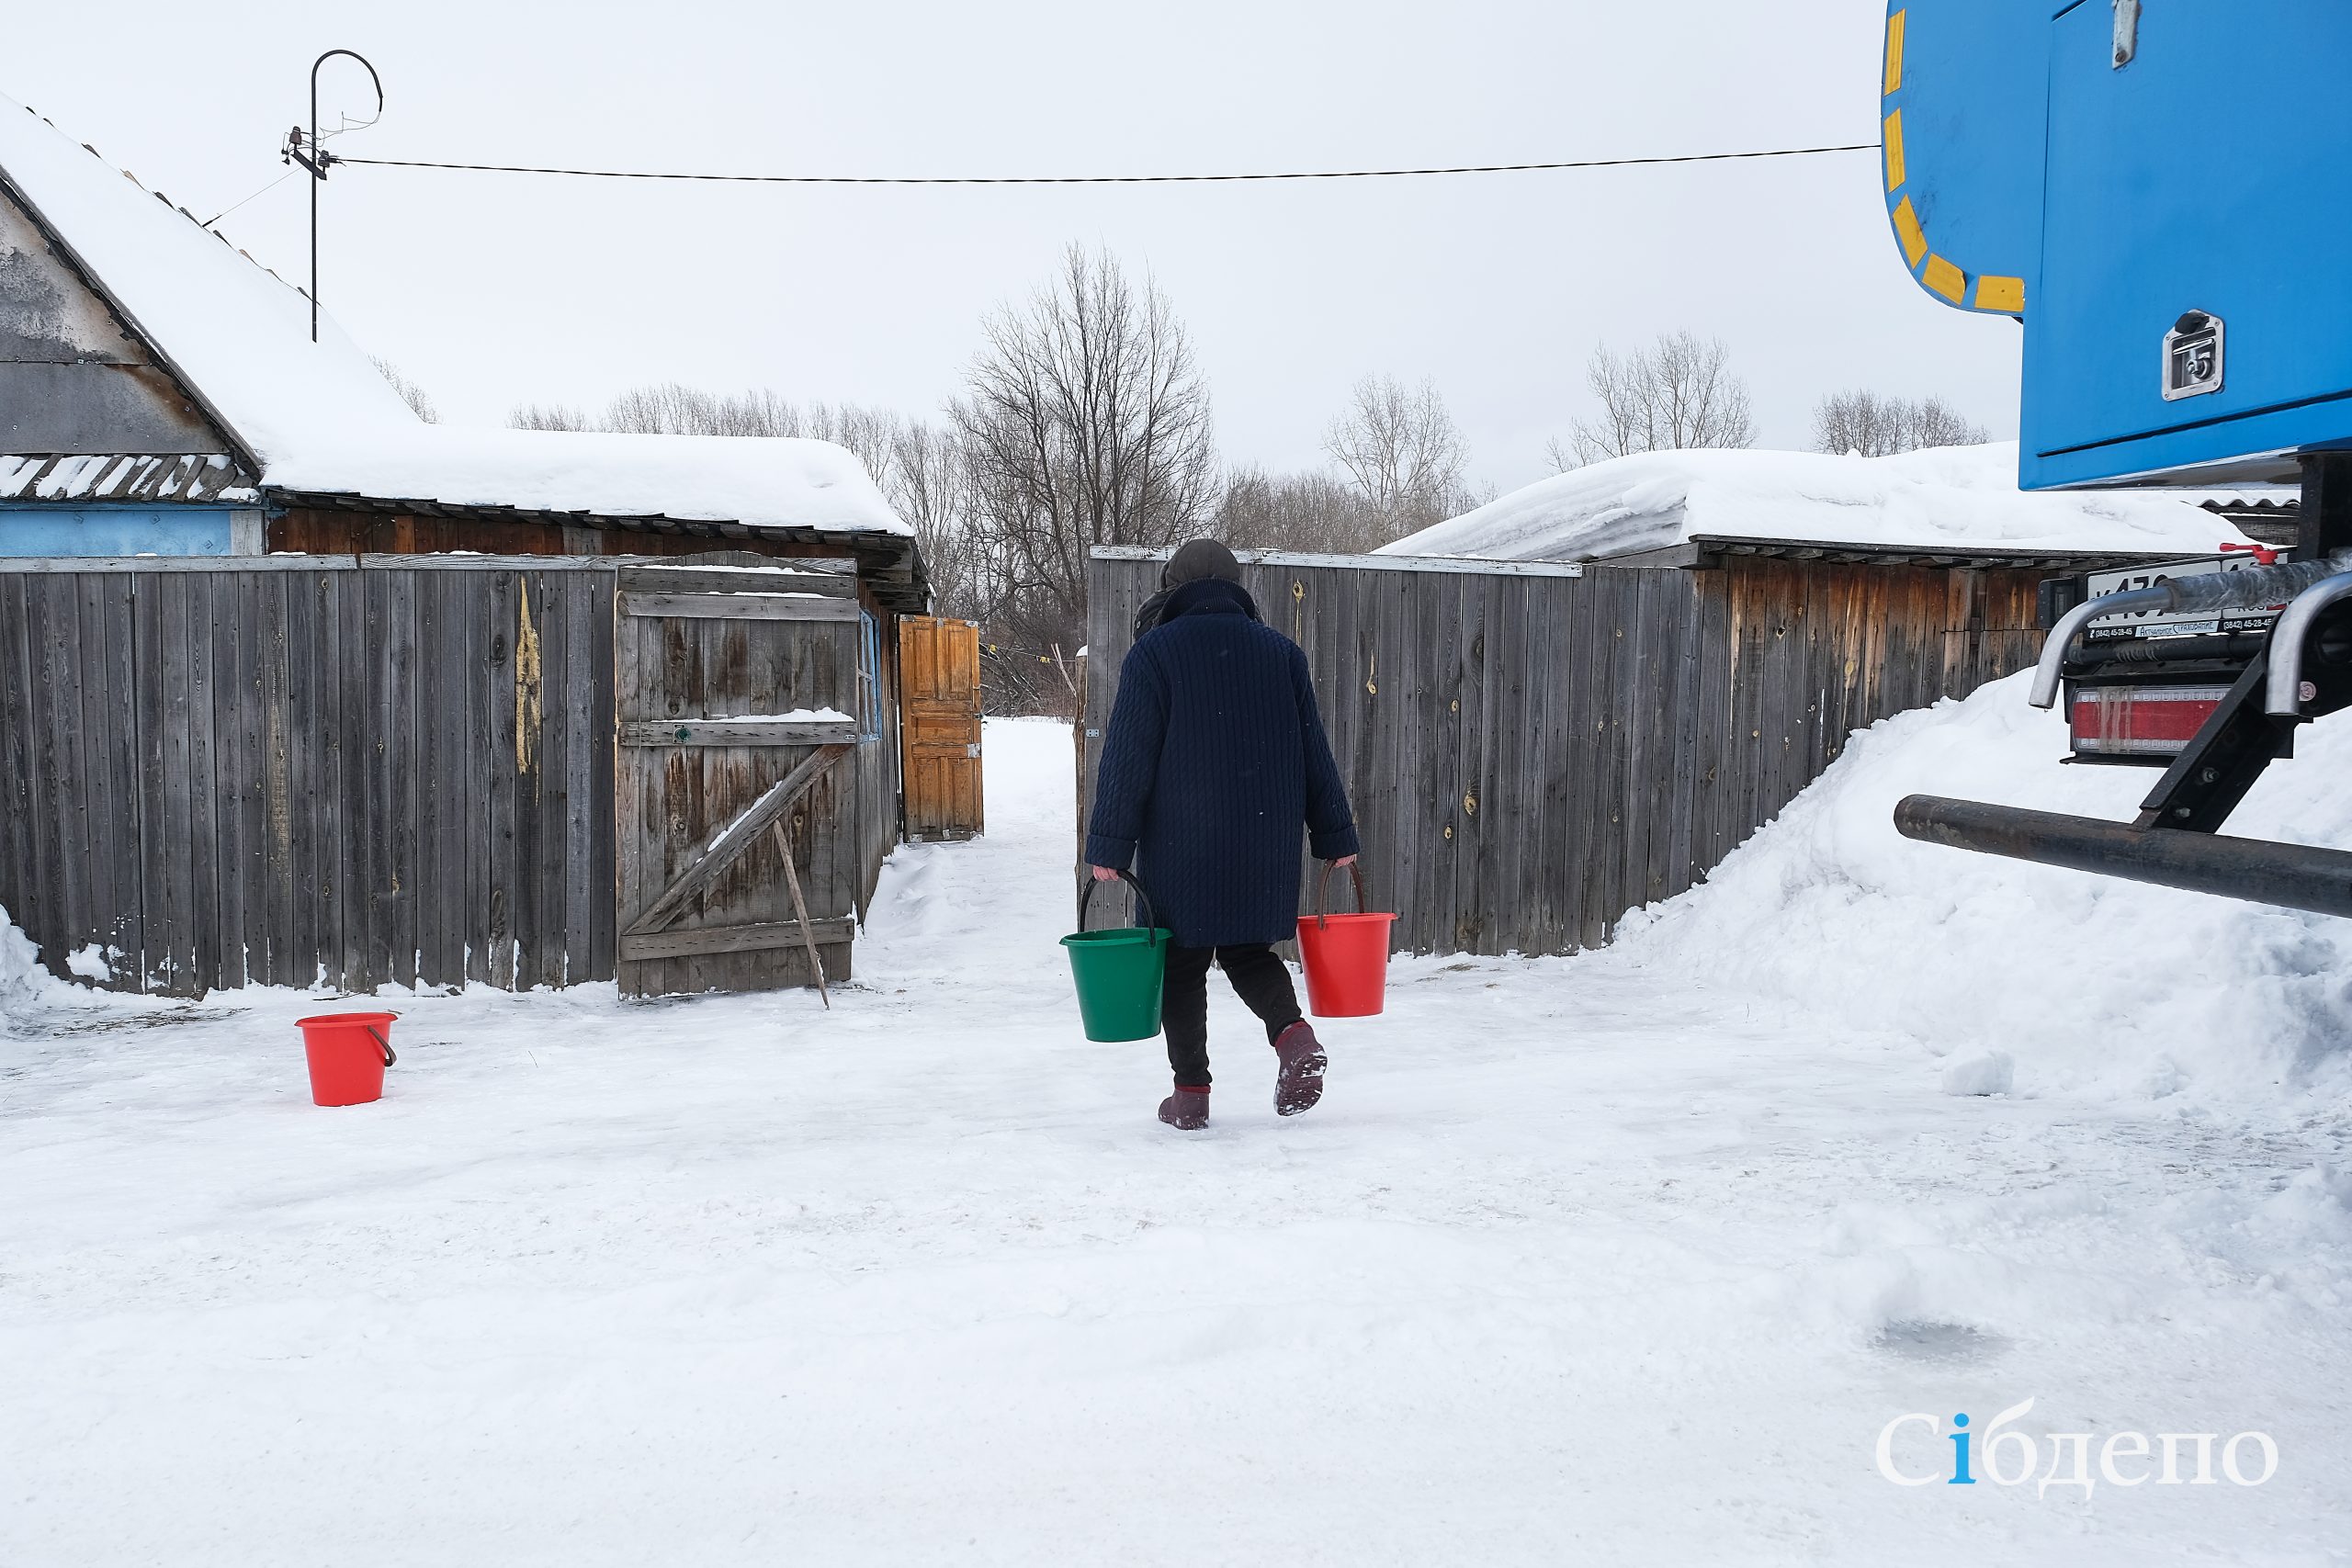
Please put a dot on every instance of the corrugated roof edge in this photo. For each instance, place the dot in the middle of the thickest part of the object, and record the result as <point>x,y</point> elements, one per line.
<point>124,479</point>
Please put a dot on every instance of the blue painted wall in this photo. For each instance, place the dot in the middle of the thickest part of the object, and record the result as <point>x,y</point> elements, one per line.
<point>116,530</point>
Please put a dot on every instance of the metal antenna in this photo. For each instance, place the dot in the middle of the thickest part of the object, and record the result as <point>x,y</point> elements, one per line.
<point>318,160</point>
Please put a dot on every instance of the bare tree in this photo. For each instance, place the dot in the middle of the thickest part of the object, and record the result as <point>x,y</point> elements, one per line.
<point>931,484</point>
<point>1401,449</point>
<point>420,402</point>
<point>547,416</point>
<point>1876,426</point>
<point>1676,394</point>
<point>1318,513</point>
<point>1086,423</point>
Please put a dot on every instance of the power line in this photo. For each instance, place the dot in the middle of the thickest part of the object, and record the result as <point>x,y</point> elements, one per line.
<point>234,204</point>
<point>1108,179</point>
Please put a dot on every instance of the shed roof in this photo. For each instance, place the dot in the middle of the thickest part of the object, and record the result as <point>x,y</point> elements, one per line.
<point>210,478</point>
<point>1956,505</point>
<point>319,419</point>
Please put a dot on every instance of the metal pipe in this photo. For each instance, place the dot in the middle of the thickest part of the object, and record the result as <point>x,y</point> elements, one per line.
<point>2285,699</point>
<point>2248,588</point>
<point>2292,876</point>
<point>320,160</point>
<point>2054,647</point>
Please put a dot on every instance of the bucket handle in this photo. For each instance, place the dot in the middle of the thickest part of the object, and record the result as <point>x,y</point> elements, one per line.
<point>382,1044</point>
<point>1323,886</point>
<point>1143,900</point>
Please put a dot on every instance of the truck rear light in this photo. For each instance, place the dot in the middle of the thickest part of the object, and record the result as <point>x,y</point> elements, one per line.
<point>2141,721</point>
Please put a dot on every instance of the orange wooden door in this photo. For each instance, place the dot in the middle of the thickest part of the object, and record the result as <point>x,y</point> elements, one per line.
<point>939,716</point>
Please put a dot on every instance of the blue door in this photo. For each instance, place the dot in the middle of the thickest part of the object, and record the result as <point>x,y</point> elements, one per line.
<point>2200,194</point>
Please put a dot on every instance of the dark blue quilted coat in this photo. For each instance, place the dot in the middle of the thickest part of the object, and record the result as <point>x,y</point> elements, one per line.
<point>1214,761</point>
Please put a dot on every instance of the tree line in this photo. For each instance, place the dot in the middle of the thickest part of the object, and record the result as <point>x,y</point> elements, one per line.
<point>1084,420</point>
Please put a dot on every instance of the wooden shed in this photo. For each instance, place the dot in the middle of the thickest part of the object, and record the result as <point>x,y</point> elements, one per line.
<point>298,687</point>
<point>1535,748</point>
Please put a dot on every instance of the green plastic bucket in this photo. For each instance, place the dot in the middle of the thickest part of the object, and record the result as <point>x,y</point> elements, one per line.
<point>1118,972</point>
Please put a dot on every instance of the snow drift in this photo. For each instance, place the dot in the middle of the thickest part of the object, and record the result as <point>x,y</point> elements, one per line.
<point>1953,498</point>
<point>2106,988</point>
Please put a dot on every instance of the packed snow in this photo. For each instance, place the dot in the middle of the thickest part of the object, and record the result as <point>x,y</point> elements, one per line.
<point>1945,499</point>
<point>1623,1259</point>
<point>322,419</point>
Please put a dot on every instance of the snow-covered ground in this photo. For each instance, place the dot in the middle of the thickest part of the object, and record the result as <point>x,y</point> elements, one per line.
<point>1620,1260</point>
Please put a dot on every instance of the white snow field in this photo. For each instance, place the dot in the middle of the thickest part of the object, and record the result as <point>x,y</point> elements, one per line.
<point>1626,1258</point>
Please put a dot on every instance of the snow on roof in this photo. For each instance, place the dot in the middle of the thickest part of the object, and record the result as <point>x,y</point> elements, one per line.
<point>1954,500</point>
<point>321,420</point>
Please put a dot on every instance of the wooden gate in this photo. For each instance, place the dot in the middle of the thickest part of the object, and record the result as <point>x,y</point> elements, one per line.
<point>939,684</point>
<point>737,692</point>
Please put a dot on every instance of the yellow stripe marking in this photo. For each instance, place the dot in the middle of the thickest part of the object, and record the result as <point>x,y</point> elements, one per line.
<point>2006,295</point>
<point>1908,229</point>
<point>1895,151</point>
<point>1894,51</point>
<point>1946,279</point>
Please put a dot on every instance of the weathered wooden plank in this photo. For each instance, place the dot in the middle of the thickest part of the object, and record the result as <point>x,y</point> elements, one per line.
<point>20,875</point>
<point>600,781</point>
<point>260,739</point>
<point>110,704</point>
<point>489,747</point>
<point>760,937</point>
<point>65,868</point>
<point>168,902</point>
<point>204,804</point>
<point>742,606</point>
<point>829,578</point>
<point>737,732</point>
<point>445,833</point>
<point>309,780</point>
<point>510,682</point>
<point>391,701</point>
<point>542,740</point>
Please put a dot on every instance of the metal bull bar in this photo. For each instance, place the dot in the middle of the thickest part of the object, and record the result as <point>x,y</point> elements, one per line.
<point>2293,877</point>
<point>2173,842</point>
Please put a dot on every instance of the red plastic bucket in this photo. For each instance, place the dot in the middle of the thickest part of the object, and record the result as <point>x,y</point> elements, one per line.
<point>1345,956</point>
<point>348,1053</point>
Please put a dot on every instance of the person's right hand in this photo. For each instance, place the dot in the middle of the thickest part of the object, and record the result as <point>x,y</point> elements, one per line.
<point>1104,874</point>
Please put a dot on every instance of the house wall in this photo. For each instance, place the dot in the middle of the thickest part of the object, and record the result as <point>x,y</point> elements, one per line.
<point>1532,756</point>
<point>52,530</point>
<point>72,377</point>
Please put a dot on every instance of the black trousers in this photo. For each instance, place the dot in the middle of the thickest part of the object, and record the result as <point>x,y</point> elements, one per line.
<point>1259,979</point>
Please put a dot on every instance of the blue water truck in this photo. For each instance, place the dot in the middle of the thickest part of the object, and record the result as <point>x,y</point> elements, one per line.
<point>2160,193</point>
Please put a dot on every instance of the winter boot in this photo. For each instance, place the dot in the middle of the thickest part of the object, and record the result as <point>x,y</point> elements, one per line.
<point>1299,1083</point>
<point>1187,1109</point>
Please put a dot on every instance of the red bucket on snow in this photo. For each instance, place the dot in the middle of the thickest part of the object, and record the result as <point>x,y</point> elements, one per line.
<point>1345,956</point>
<point>348,1053</point>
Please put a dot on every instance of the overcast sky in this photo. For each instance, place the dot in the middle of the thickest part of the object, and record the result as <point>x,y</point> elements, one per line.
<point>491,290</point>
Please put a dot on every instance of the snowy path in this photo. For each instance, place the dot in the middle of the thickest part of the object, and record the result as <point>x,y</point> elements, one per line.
<point>1578,1262</point>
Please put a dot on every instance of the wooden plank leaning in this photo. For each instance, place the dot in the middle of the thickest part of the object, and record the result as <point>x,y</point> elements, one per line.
<point>800,911</point>
<point>734,839</point>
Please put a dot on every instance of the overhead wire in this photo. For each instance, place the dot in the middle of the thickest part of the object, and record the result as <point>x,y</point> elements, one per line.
<point>1111,179</point>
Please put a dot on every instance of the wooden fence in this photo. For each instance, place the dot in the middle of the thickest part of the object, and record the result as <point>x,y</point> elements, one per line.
<point>1534,750</point>
<point>364,771</point>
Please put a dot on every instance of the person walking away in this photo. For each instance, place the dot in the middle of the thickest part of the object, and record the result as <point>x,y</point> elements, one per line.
<point>1214,761</point>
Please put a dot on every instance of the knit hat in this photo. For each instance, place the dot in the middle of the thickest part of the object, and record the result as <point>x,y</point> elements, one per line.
<point>1198,559</point>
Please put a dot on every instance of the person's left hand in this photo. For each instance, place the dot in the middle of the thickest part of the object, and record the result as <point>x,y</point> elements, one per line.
<point>1104,874</point>
<point>1345,860</point>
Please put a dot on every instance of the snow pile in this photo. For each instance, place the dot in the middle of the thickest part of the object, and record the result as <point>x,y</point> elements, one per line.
<point>2110,988</point>
<point>25,987</point>
<point>1952,498</point>
<point>320,417</point>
